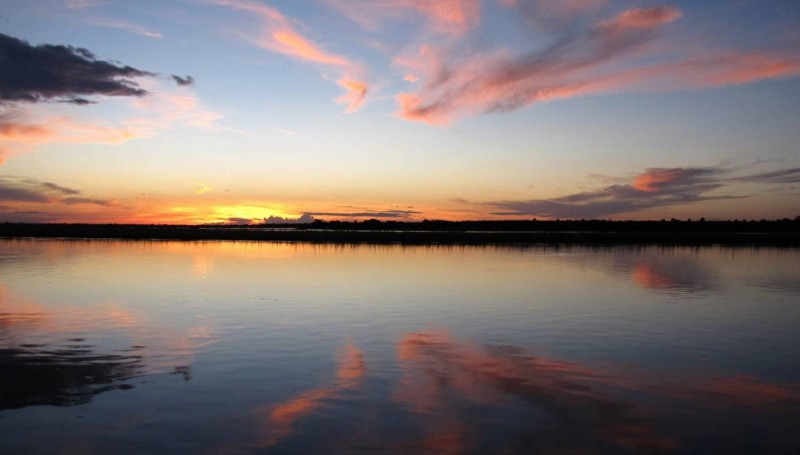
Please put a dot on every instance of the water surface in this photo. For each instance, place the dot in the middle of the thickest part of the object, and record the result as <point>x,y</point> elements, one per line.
<point>244,347</point>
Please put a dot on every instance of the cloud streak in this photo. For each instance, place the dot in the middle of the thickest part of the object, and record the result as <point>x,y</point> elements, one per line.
<point>21,189</point>
<point>453,17</point>
<point>128,27</point>
<point>401,214</point>
<point>655,187</point>
<point>277,34</point>
<point>586,55</point>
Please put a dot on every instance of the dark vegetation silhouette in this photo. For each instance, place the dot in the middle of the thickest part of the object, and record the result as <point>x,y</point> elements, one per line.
<point>782,232</point>
<point>64,376</point>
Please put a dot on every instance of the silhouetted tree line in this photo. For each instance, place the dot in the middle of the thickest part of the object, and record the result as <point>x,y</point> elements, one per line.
<point>784,232</point>
<point>534,225</point>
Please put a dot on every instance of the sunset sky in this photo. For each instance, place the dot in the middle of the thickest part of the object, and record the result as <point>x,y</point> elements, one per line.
<point>232,111</point>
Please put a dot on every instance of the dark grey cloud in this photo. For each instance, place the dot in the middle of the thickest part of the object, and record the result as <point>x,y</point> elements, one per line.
<point>240,221</point>
<point>183,81</point>
<point>656,187</point>
<point>8,215</point>
<point>20,189</point>
<point>86,200</point>
<point>60,73</point>
<point>782,176</point>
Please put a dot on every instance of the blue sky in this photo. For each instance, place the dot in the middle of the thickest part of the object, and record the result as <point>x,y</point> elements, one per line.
<point>197,111</point>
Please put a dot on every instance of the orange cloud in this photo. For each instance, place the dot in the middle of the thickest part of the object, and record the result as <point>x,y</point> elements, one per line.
<point>652,179</point>
<point>356,93</point>
<point>21,131</point>
<point>278,35</point>
<point>289,42</point>
<point>21,134</point>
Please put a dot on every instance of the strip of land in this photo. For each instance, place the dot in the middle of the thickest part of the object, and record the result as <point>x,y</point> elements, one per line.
<point>784,233</point>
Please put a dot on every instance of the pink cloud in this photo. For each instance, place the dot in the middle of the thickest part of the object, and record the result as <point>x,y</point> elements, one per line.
<point>163,109</point>
<point>356,92</point>
<point>655,178</point>
<point>645,17</point>
<point>613,55</point>
<point>443,16</point>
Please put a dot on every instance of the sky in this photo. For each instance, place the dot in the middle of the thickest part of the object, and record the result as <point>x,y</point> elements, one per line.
<point>237,111</point>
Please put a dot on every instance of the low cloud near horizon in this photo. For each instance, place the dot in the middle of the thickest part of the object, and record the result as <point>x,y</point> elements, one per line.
<point>20,195</point>
<point>655,187</point>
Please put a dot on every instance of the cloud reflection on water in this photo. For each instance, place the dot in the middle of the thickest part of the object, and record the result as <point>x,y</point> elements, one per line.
<point>455,397</point>
<point>283,417</point>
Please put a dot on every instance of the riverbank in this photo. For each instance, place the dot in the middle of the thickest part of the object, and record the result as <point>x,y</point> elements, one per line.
<point>548,234</point>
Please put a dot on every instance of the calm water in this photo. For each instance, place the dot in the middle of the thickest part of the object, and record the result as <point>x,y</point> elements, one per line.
<point>239,347</point>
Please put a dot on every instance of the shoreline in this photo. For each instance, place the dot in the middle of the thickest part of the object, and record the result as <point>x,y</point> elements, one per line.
<point>686,237</point>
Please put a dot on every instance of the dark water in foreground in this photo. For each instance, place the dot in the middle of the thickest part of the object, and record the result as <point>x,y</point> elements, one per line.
<point>238,347</point>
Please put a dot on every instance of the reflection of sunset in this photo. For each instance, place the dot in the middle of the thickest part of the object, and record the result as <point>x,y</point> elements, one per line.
<point>650,277</point>
<point>203,264</point>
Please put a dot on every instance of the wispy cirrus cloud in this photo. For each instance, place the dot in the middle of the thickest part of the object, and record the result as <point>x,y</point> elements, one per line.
<point>277,34</point>
<point>128,27</point>
<point>655,187</point>
<point>23,128</point>
<point>83,4</point>
<point>443,16</point>
<point>587,54</point>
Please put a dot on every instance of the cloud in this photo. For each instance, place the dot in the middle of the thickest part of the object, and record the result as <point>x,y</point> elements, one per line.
<point>791,175</point>
<point>20,131</point>
<point>129,27</point>
<point>356,93</point>
<point>302,219</point>
<point>83,4</point>
<point>32,75</point>
<point>203,188</point>
<point>86,200</point>
<point>453,17</point>
<point>240,221</point>
<point>27,126</point>
<point>587,56</point>
<point>554,15</point>
<point>644,17</point>
<point>61,73</point>
<point>183,81</point>
<point>278,35</point>
<point>369,214</point>
<point>21,189</point>
<point>656,187</point>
